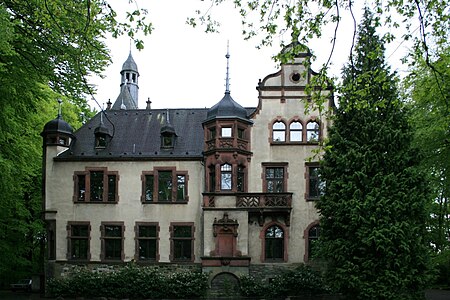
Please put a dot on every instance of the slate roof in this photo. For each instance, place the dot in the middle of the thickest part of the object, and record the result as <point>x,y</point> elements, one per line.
<point>227,108</point>
<point>125,98</point>
<point>130,64</point>
<point>136,134</point>
<point>57,125</point>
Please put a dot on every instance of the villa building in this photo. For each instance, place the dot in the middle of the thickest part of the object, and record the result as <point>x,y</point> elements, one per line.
<point>226,189</point>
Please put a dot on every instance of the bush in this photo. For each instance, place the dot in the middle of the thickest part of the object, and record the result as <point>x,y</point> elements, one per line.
<point>442,269</point>
<point>301,281</point>
<point>130,282</point>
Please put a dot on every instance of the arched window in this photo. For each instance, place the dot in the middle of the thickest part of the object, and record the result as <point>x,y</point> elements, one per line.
<point>279,132</point>
<point>225,177</point>
<point>313,237</point>
<point>274,243</point>
<point>296,131</point>
<point>312,132</point>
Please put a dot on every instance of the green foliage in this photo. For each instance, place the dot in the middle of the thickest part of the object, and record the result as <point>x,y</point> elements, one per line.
<point>131,282</point>
<point>305,19</point>
<point>441,261</point>
<point>374,211</point>
<point>428,94</point>
<point>303,281</point>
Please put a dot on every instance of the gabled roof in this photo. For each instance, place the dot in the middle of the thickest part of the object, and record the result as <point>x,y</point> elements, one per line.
<point>136,134</point>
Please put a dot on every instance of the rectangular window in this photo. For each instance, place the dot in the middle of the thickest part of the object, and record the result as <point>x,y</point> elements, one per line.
<point>315,187</point>
<point>164,186</point>
<point>182,242</point>
<point>148,188</point>
<point>226,132</point>
<point>275,179</point>
<point>241,133</point>
<point>147,241</point>
<point>112,241</point>
<point>78,240</point>
<point>96,185</point>
<point>212,132</point>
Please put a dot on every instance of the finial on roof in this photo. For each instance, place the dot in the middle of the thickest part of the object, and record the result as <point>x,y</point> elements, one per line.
<point>149,103</point>
<point>227,80</point>
<point>168,120</point>
<point>59,108</point>
<point>122,106</point>
<point>108,104</point>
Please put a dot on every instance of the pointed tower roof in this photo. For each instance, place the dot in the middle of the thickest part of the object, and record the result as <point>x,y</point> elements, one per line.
<point>227,107</point>
<point>124,98</point>
<point>130,64</point>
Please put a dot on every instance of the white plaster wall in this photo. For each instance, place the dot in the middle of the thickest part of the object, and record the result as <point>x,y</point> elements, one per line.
<point>129,209</point>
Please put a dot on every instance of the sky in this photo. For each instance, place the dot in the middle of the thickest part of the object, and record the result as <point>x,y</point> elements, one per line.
<point>184,67</point>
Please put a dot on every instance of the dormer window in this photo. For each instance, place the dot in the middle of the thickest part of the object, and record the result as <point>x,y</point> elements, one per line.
<point>167,141</point>
<point>100,142</point>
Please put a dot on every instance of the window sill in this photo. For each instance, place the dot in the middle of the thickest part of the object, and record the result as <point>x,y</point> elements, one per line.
<point>96,202</point>
<point>273,143</point>
<point>166,202</point>
<point>312,199</point>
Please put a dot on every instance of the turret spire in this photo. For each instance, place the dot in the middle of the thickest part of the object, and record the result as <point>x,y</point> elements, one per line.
<point>227,80</point>
<point>59,108</point>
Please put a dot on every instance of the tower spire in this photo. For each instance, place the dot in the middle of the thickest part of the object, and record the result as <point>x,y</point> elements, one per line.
<point>227,80</point>
<point>59,108</point>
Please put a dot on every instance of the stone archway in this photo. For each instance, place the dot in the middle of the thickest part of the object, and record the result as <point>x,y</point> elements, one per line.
<point>224,285</point>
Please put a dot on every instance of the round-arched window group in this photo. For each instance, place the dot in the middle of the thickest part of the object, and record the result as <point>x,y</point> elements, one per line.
<point>295,132</point>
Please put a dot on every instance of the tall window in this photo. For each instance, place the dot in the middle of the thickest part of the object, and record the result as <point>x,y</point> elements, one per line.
<point>274,243</point>
<point>161,186</point>
<point>296,132</point>
<point>275,179</point>
<point>240,179</point>
<point>315,186</point>
<point>112,241</point>
<point>147,241</point>
<point>78,240</point>
<point>96,185</point>
<point>212,178</point>
<point>226,177</point>
<point>279,132</point>
<point>182,242</point>
<point>313,237</point>
<point>312,132</point>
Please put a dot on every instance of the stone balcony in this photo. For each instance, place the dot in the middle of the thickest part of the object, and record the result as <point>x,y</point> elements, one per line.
<point>257,204</point>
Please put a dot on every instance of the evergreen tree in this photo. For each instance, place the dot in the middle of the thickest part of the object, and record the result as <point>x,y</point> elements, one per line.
<point>373,213</point>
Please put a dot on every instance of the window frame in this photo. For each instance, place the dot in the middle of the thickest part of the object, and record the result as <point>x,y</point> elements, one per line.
<point>285,240</point>
<point>226,172</point>
<point>278,130</point>
<point>105,238</point>
<point>156,180</point>
<point>87,185</point>
<point>71,238</point>
<point>291,130</point>
<point>174,239</point>
<point>308,167</point>
<point>308,130</point>
<point>266,166</point>
<point>138,239</point>
<point>306,236</point>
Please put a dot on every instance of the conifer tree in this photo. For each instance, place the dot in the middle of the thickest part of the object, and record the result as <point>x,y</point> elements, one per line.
<point>373,212</point>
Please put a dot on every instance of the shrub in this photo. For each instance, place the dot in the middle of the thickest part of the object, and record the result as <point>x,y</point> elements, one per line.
<point>130,282</point>
<point>301,281</point>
